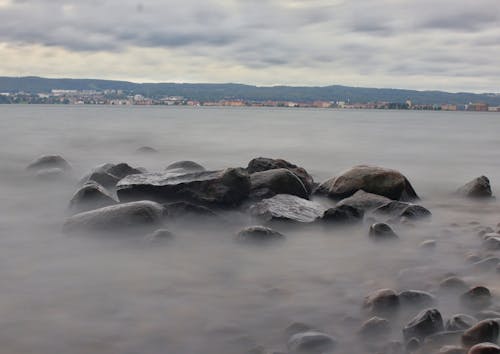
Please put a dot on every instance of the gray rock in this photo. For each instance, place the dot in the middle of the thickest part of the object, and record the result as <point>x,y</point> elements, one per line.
<point>477,188</point>
<point>90,196</point>
<point>160,235</point>
<point>377,180</point>
<point>398,210</point>
<point>49,161</point>
<point>460,322</point>
<point>184,167</point>
<point>287,207</point>
<point>476,298</point>
<point>485,315</point>
<point>383,302</point>
<point>50,174</point>
<point>343,214</point>
<point>382,232</point>
<point>259,234</point>
<point>484,348</point>
<point>453,284</point>
<point>487,264</point>
<point>222,188</point>
<point>278,181</point>
<point>364,201</point>
<point>146,150</point>
<point>117,218</point>
<point>424,324</point>
<point>297,327</point>
<point>101,177</point>
<point>484,331</point>
<point>416,298</point>
<point>491,242</point>
<point>375,328</point>
<point>452,349</point>
<point>311,342</point>
<point>428,245</point>
<point>122,170</point>
<point>181,210</point>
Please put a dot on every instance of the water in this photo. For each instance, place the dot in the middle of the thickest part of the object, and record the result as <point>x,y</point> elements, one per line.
<point>202,293</point>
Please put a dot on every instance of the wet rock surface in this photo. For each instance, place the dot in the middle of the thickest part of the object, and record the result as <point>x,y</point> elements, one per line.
<point>478,188</point>
<point>364,201</point>
<point>424,324</point>
<point>286,207</point>
<point>383,302</point>
<point>278,181</point>
<point>484,348</point>
<point>343,214</point>
<point>382,232</point>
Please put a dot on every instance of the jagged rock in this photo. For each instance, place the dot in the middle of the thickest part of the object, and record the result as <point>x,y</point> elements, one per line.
<point>261,164</point>
<point>398,210</point>
<point>375,328</point>
<point>259,234</point>
<point>382,232</point>
<point>343,214</point>
<point>278,181</point>
<point>364,201</point>
<point>476,298</point>
<point>460,322</point>
<point>484,331</point>
<point>90,196</point>
<point>426,323</point>
<point>49,161</point>
<point>184,167</point>
<point>287,207</point>
<point>116,218</point>
<point>382,302</point>
<point>484,348</point>
<point>377,180</point>
<point>311,342</point>
<point>477,188</point>
<point>416,298</point>
<point>222,188</point>
<point>146,150</point>
<point>123,170</point>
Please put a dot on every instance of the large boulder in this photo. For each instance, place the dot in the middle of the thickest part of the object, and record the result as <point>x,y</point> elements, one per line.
<point>90,196</point>
<point>364,201</point>
<point>477,188</point>
<point>48,161</point>
<point>424,324</point>
<point>286,207</point>
<point>223,188</point>
<point>484,331</point>
<point>278,181</point>
<point>416,299</point>
<point>377,180</point>
<point>117,218</point>
<point>375,328</point>
<point>261,164</point>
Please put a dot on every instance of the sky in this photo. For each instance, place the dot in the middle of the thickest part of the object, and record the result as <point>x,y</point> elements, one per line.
<point>451,45</point>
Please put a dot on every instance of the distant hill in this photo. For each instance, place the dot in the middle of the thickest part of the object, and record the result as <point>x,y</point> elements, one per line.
<point>214,92</point>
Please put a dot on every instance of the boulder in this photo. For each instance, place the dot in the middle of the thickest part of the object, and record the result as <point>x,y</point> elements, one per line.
<point>484,348</point>
<point>286,207</point>
<point>416,299</point>
<point>297,327</point>
<point>453,284</point>
<point>424,324</point>
<point>184,167</point>
<point>180,210</point>
<point>343,214</point>
<point>261,164</point>
<point>222,188</point>
<point>146,150</point>
<point>397,210</point>
<point>375,328</point>
<point>377,180</point>
<point>90,196</point>
<point>278,181</point>
<point>259,234</point>
<point>478,188</point>
<point>48,161</point>
<point>122,170</point>
<point>460,322</point>
<point>382,302</point>
<point>476,298</point>
<point>492,241</point>
<point>364,201</point>
<point>484,331</point>
<point>116,218</point>
<point>103,178</point>
<point>382,232</point>
<point>311,342</point>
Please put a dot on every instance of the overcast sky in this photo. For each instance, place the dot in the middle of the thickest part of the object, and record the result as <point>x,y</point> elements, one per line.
<point>449,45</point>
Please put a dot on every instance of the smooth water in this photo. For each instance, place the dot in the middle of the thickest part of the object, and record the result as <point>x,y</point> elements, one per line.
<point>202,292</point>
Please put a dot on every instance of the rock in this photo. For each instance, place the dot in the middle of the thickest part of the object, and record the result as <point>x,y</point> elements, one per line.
<point>454,284</point>
<point>426,323</point>
<point>103,178</point>
<point>184,167</point>
<point>116,218</point>
<point>343,214</point>
<point>50,173</point>
<point>416,298</point>
<point>364,201</point>
<point>484,331</point>
<point>160,235</point>
<point>313,342</point>
<point>476,298</point>
<point>279,181</point>
<point>382,302</point>
<point>413,345</point>
<point>382,232</point>
<point>437,340</point>
<point>375,328</point>
<point>146,150</point>
<point>179,210</point>
<point>428,245</point>
<point>460,322</point>
<point>487,264</point>
<point>261,164</point>
<point>122,170</point>
<point>477,188</point>
<point>484,315</point>
<point>484,348</point>
<point>377,180</point>
<point>259,234</point>
<point>287,207</point>
<point>222,188</point>
<point>49,161</point>
<point>492,242</point>
<point>452,349</point>
<point>90,196</point>
<point>398,210</point>
<point>297,327</point>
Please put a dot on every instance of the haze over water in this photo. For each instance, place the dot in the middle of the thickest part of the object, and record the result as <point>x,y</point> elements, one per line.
<point>202,292</point>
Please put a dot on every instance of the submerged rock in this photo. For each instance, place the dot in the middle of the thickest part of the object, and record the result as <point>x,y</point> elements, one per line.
<point>477,188</point>
<point>375,328</point>
<point>179,210</point>
<point>160,235</point>
<point>452,349</point>
<point>424,324</point>
<point>259,234</point>
<point>476,298</point>
<point>416,298</point>
<point>278,181</point>
<point>343,214</point>
<point>184,167</point>
<point>146,150</point>
<point>90,196</point>
<point>49,161</point>
<point>397,210</point>
<point>50,173</point>
<point>372,179</point>
<point>364,201</point>
<point>287,207</point>
<point>484,348</point>
<point>460,322</point>
<point>116,218</point>
<point>223,188</point>
<point>484,331</point>
<point>453,284</point>
<point>311,342</point>
<point>382,232</point>
<point>122,170</point>
<point>382,302</point>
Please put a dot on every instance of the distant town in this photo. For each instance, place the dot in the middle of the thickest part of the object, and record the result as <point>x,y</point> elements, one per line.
<point>121,97</point>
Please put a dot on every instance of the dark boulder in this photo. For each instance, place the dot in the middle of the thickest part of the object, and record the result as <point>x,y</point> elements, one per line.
<point>377,180</point>
<point>180,210</point>
<point>487,264</point>
<point>382,302</point>
<point>286,207</point>
<point>484,331</point>
<point>117,218</point>
<point>103,178</point>
<point>343,214</point>
<point>278,181</point>
<point>90,196</point>
<point>122,170</point>
<point>477,188</point>
<point>397,210</point>
<point>311,342</point>
<point>492,241</point>
<point>476,298</point>
<point>49,161</point>
<point>259,234</point>
<point>484,348</point>
<point>424,324</point>
<point>364,201</point>
<point>222,188</point>
<point>382,232</point>
<point>261,164</point>
<point>184,167</point>
<point>460,322</point>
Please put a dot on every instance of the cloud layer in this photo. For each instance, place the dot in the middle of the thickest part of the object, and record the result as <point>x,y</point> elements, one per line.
<point>440,44</point>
